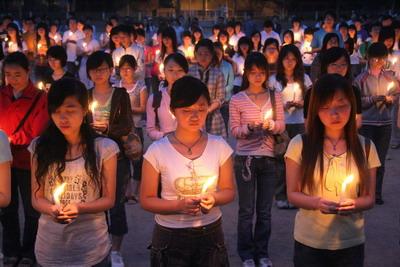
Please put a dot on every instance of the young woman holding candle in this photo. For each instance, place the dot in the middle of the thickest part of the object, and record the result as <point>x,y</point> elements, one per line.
<point>14,41</point>
<point>19,99</point>
<point>86,47</point>
<point>252,123</point>
<point>113,118</point>
<point>213,78</point>
<point>159,120</point>
<point>5,170</point>
<point>329,227</point>
<point>74,232</point>
<point>256,45</point>
<point>379,91</point>
<point>244,45</point>
<point>291,81</point>
<point>229,51</point>
<point>43,43</point>
<point>193,171</point>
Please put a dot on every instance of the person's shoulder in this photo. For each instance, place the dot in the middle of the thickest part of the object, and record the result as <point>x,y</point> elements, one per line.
<point>217,141</point>
<point>105,142</point>
<point>238,96</point>
<point>158,145</point>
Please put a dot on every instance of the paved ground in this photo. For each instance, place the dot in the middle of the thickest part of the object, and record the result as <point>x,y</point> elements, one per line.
<point>382,229</point>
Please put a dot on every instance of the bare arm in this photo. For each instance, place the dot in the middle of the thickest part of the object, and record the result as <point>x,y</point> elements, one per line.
<point>5,183</point>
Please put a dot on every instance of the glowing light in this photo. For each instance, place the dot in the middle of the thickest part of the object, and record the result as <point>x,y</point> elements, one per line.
<point>57,193</point>
<point>207,184</point>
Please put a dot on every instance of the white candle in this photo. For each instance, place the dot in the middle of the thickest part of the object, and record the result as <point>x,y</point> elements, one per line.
<point>267,115</point>
<point>349,179</point>
<point>161,68</point>
<point>57,193</point>
<point>84,46</point>
<point>390,86</point>
<point>39,46</point>
<point>40,85</point>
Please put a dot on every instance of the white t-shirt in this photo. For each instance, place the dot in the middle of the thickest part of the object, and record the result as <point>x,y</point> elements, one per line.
<point>71,47</point>
<point>292,92</point>
<point>307,57</point>
<point>189,51</point>
<point>5,151</point>
<point>134,96</point>
<point>85,241</point>
<point>239,61</point>
<point>272,34</point>
<point>181,177</point>
<point>13,47</point>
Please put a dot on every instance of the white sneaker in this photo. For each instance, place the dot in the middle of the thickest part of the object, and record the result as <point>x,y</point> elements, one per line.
<point>264,262</point>
<point>249,263</point>
<point>116,259</point>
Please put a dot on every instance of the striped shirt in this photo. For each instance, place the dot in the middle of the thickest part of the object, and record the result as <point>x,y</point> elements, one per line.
<point>242,111</point>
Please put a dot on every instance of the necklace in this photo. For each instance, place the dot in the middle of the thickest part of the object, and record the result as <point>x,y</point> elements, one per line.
<point>334,144</point>
<point>189,148</point>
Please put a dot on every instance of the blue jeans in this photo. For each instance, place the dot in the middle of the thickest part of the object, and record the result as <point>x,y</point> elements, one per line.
<point>305,256</point>
<point>255,196</point>
<point>380,135</point>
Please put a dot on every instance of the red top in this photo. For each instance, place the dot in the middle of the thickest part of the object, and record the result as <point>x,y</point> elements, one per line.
<point>11,113</point>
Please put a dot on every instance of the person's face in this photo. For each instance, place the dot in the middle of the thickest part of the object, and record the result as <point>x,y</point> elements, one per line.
<point>108,28</point>
<point>223,39</point>
<point>16,76</point>
<point>237,28</point>
<point>333,42</point>
<point>358,25</point>
<point>173,72</point>
<point>72,25</point>
<point>387,23</point>
<point>114,22</point>
<point>41,31</point>
<point>289,62</point>
<point>352,33</point>
<point>54,63</point>
<point>308,37</point>
<point>377,63</point>
<point>296,25</point>
<point>80,26</point>
<point>256,76</point>
<point>375,32</point>
<point>11,32</point>
<point>140,39</point>
<point>268,29</point>
<point>335,114</point>
<point>244,48</point>
<point>329,21</point>
<point>125,39</point>
<point>187,40</point>
<point>88,34</point>
<point>101,74</point>
<point>115,38</point>
<point>69,117</point>
<point>287,39</point>
<point>343,31</point>
<point>215,32</point>
<point>203,56</point>
<point>192,118</point>
<point>389,43</point>
<point>230,30</point>
<point>271,53</point>
<point>53,29</point>
<point>167,42</point>
<point>126,72</point>
<point>219,53</point>
<point>256,39</point>
<point>197,35</point>
<point>338,67</point>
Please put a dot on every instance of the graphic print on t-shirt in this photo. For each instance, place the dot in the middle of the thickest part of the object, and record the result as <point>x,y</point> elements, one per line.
<point>76,189</point>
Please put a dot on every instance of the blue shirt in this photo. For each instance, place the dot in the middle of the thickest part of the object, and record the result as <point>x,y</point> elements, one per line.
<point>319,37</point>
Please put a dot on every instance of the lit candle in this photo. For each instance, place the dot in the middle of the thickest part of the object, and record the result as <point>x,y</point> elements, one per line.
<point>296,87</point>
<point>6,39</point>
<point>55,38</point>
<point>209,182</point>
<point>117,59</point>
<point>349,179</point>
<point>57,193</point>
<point>393,60</point>
<point>84,46</point>
<point>161,68</point>
<point>267,115</point>
<point>93,106</point>
<point>70,34</point>
<point>40,85</point>
<point>390,86</point>
<point>39,46</point>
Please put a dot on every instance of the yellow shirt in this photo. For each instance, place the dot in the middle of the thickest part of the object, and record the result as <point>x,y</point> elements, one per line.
<point>330,231</point>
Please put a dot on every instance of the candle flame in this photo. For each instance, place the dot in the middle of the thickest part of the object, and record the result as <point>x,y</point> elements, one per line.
<point>39,46</point>
<point>6,39</point>
<point>268,114</point>
<point>57,193</point>
<point>349,179</point>
<point>390,86</point>
<point>207,184</point>
<point>93,106</point>
<point>40,85</point>
<point>84,45</point>
<point>161,67</point>
<point>393,60</point>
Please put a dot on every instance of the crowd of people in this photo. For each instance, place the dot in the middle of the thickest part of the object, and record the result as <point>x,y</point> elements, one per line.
<point>310,112</point>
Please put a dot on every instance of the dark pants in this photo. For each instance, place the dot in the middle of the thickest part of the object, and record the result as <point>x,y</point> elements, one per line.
<point>106,262</point>
<point>72,68</point>
<point>380,135</point>
<point>255,196</point>
<point>280,194</point>
<point>225,114</point>
<point>189,247</point>
<point>118,223</point>
<point>12,247</point>
<point>305,256</point>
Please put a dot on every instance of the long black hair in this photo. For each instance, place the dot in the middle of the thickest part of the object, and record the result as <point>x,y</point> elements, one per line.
<point>14,26</point>
<point>51,147</point>
<point>254,59</point>
<point>46,33</point>
<point>332,55</point>
<point>327,38</point>
<point>298,73</point>
<point>170,33</point>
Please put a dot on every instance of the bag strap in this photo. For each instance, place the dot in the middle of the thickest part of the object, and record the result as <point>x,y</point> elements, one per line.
<point>21,123</point>
<point>157,96</point>
<point>273,103</point>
